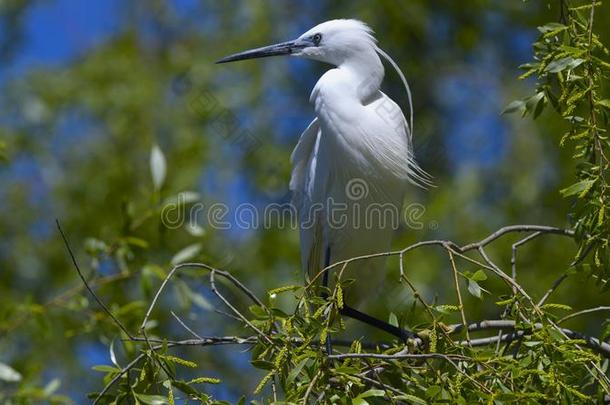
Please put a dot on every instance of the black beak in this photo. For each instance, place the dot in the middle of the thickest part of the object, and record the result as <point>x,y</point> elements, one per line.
<point>284,48</point>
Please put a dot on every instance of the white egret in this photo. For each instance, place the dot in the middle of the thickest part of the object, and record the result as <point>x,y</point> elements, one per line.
<point>352,164</point>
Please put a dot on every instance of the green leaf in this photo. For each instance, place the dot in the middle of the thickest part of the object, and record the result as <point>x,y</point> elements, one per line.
<point>604,103</point>
<point>52,386</point>
<point>187,389</point>
<point>532,101</point>
<point>393,320</point>
<point>479,275</point>
<point>194,229</point>
<point>474,288</point>
<point>262,364</point>
<point>372,393</point>
<point>3,157</point>
<point>505,302</point>
<point>535,104</point>
<point>412,399</point>
<point>294,373</point>
<point>258,311</point>
<point>183,198</point>
<point>136,242</point>
<point>550,27</point>
<point>580,187</point>
<point>9,374</point>
<point>104,368</point>
<point>158,167</point>
<point>186,254</point>
<point>113,355</point>
<point>605,331</point>
<point>151,399</point>
<point>562,307</point>
<point>200,301</point>
<point>562,64</point>
<point>95,246</point>
<point>433,391</point>
<point>517,105</point>
<point>359,400</point>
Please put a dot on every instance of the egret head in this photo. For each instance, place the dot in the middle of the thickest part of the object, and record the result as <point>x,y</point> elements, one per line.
<point>332,42</point>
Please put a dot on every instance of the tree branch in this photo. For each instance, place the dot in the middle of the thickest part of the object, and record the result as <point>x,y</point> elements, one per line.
<point>80,273</point>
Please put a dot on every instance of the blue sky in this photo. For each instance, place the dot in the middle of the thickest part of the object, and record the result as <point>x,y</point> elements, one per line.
<point>60,30</point>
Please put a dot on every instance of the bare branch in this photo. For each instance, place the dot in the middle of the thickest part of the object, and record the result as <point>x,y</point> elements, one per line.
<point>185,326</point>
<point>584,311</point>
<point>602,348</point>
<point>517,228</point>
<point>224,274</point>
<point>513,258</point>
<point>515,332</point>
<point>80,274</point>
<point>551,290</point>
<point>239,314</point>
<point>117,377</point>
<point>134,362</point>
<point>399,356</point>
<point>458,292</point>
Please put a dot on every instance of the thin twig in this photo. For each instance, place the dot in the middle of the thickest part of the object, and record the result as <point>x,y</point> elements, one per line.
<point>185,326</point>
<point>228,315</point>
<point>138,358</point>
<point>602,348</point>
<point>482,243</point>
<point>551,290</point>
<point>181,266</point>
<point>235,311</point>
<point>117,377</point>
<point>251,340</point>
<point>517,228</point>
<point>399,356</point>
<point>310,387</point>
<point>506,278</point>
<point>456,283</point>
<point>513,258</point>
<point>452,249</point>
<point>406,356</point>
<point>380,384</point>
<point>584,311</point>
<point>80,273</point>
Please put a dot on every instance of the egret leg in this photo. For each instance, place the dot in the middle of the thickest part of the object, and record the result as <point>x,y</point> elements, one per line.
<point>353,313</point>
<point>329,347</point>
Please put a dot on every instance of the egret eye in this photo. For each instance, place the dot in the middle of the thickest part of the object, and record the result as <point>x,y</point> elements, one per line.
<point>317,38</point>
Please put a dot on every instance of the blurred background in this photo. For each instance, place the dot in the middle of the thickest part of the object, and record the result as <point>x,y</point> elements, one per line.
<point>87,89</point>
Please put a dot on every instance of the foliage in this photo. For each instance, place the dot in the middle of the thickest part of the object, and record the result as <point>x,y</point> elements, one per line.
<point>531,358</point>
<point>570,64</point>
<point>121,130</point>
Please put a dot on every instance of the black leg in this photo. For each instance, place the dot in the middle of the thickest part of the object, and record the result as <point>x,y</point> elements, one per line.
<point>325,275</point>
<point>329,347</point>
<point>377,323</point>
<point>353,313</point>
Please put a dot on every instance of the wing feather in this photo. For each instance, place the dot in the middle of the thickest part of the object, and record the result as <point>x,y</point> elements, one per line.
<point>308,185</point>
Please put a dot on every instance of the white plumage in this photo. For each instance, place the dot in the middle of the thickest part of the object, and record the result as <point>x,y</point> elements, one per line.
<point>355,156</point>
<point>359,138</point>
